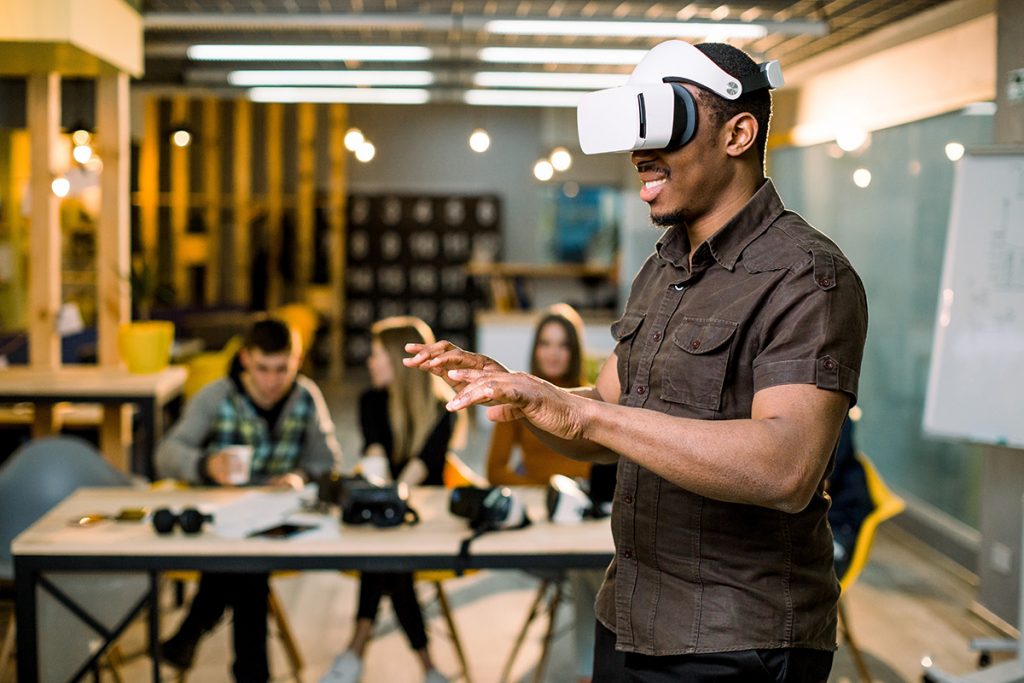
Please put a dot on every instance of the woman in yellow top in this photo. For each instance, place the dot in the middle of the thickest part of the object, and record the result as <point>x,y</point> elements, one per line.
<point>557,356</point>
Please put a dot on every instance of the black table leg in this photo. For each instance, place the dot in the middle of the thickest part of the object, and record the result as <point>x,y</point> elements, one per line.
<point>150,419</point>
<point>154,623</point>
<point>25,618</point>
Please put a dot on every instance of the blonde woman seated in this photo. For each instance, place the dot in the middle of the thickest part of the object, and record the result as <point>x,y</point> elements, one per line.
<point>557,356</point>
<point>406,434</point>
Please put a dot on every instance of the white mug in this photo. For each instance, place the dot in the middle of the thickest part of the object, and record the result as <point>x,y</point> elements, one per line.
<point>240,463</point>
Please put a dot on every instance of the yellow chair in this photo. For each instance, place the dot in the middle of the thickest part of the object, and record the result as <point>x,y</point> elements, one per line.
<point>456,473</point>
<point>303,320</point>
<point>886,505</point>
<point>210,366</point>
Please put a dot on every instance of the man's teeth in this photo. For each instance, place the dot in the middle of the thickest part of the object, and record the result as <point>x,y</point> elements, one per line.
<point>651,184</point>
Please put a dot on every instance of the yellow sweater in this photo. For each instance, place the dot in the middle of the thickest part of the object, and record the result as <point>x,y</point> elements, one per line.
<point>539,461</point>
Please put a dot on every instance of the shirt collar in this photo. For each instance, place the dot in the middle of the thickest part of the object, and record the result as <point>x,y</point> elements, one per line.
<point>731,239</point>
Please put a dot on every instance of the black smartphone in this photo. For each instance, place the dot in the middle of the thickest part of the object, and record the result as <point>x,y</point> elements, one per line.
<point>281,531</point>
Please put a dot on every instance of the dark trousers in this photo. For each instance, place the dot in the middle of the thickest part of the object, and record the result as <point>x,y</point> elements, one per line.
<point>246,595</point>
<point>399,586</point>
<point>791,665</point>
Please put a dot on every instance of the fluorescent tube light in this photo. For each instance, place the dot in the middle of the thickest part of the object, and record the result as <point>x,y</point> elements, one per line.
<point>545,55</point>
<point>310,53</point>
<point>522,98</point>
<point>347,95</point>
<point>519,79</point>
<point>364,78</point>
<point>637,29</point>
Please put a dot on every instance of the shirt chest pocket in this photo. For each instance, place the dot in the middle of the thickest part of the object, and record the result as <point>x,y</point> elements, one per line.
<point>624,331</point>
<point>697,361</point>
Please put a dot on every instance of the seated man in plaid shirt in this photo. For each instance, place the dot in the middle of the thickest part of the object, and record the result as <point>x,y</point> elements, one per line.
<point>265,404</point>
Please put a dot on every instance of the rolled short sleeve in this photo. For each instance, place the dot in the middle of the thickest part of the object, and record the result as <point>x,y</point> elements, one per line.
<point>813,328</point>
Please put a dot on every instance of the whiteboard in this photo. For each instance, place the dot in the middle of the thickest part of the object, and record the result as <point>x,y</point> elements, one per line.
<point>976,378</point>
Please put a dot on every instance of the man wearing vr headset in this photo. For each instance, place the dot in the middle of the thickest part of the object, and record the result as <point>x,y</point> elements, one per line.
<point>738,356</point>
<point>265,404</point>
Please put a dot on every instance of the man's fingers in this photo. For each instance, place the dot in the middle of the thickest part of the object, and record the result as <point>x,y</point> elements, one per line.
<point>425,352</point>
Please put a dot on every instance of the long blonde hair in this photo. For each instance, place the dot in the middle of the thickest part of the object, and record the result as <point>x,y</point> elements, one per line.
<point>414,396</point>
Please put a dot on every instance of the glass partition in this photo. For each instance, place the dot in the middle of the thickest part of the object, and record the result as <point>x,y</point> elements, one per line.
<point>887,206</point>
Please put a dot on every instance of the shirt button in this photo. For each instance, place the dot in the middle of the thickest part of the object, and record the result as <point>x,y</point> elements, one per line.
<point>628,554</point>
<point>641,390</point>
<point>829,364</point>
<point>824,282</point>
<point>695,344</point>
<point>627,499</point>
<point>656,336</point>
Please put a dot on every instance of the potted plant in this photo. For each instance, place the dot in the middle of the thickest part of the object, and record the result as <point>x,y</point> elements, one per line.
<point>145,344</point>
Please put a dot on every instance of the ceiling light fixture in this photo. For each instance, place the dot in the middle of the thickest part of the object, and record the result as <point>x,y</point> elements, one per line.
<point>543,171</point>
<point>329,78</point>
<point>479,141</point>
<point>632,29</point>
<point>520,79</point>
<point>522,98</point>
<point>310,53</point>
<point>346,95</point>
<point>366,151</point>
<point>353,138</point>
<point>560,159</point>
<point>565,55</point>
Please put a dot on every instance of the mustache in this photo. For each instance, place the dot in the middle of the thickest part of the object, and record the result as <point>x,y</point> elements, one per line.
<point>645,166</point>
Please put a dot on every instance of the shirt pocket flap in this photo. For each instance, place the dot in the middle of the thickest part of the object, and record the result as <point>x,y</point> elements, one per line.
<point>626,326</point>
<point>698,336</point>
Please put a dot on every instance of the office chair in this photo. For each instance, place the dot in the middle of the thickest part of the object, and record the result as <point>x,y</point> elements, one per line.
<point>34,479</point>
<point>886,505</point>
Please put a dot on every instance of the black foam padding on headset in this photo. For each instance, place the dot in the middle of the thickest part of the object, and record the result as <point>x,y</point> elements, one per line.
<point>684,118</point>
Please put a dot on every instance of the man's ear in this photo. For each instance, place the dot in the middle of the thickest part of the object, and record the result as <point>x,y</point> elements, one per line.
<point>740,134</point>
<point>244,358</point>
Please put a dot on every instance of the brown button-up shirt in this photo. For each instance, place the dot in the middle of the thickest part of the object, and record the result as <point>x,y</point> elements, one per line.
<point>768,301</point>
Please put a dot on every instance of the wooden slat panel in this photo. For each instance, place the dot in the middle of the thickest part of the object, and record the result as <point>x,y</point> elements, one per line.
<point>114,239</point>
<point>211,183</point>
<point>275,201</point>
<point>306,196</point>
<point>44,245</point>
<point>149,181</point>
<point>336,199</point>
<point>192,250</point>
<point>179,201</point>
<point>241,277</point>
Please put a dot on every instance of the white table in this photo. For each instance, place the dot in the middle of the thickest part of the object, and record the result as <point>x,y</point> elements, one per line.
<point>52,544</point>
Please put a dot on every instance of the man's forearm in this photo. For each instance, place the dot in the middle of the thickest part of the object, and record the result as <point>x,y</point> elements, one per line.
<point>774,460</point>
<point>577,449</point>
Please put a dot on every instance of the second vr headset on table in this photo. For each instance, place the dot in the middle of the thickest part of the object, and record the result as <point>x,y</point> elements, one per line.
<point>653,110</point>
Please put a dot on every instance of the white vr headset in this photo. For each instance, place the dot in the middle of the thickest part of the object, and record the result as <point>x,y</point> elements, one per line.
<point>653,110</point>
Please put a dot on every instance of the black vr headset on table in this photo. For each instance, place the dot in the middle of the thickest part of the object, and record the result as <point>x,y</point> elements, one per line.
<point>365,502</point>
<point>653,110</point>
<point>488,509</point>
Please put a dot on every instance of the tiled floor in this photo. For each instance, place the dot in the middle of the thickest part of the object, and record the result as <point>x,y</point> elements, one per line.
<point>906,604</point>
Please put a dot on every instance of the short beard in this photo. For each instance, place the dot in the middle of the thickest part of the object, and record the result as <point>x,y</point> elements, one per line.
<point>668,220</point>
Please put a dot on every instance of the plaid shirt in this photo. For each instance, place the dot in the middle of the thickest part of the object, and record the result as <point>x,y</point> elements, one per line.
<point>237,422</point>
